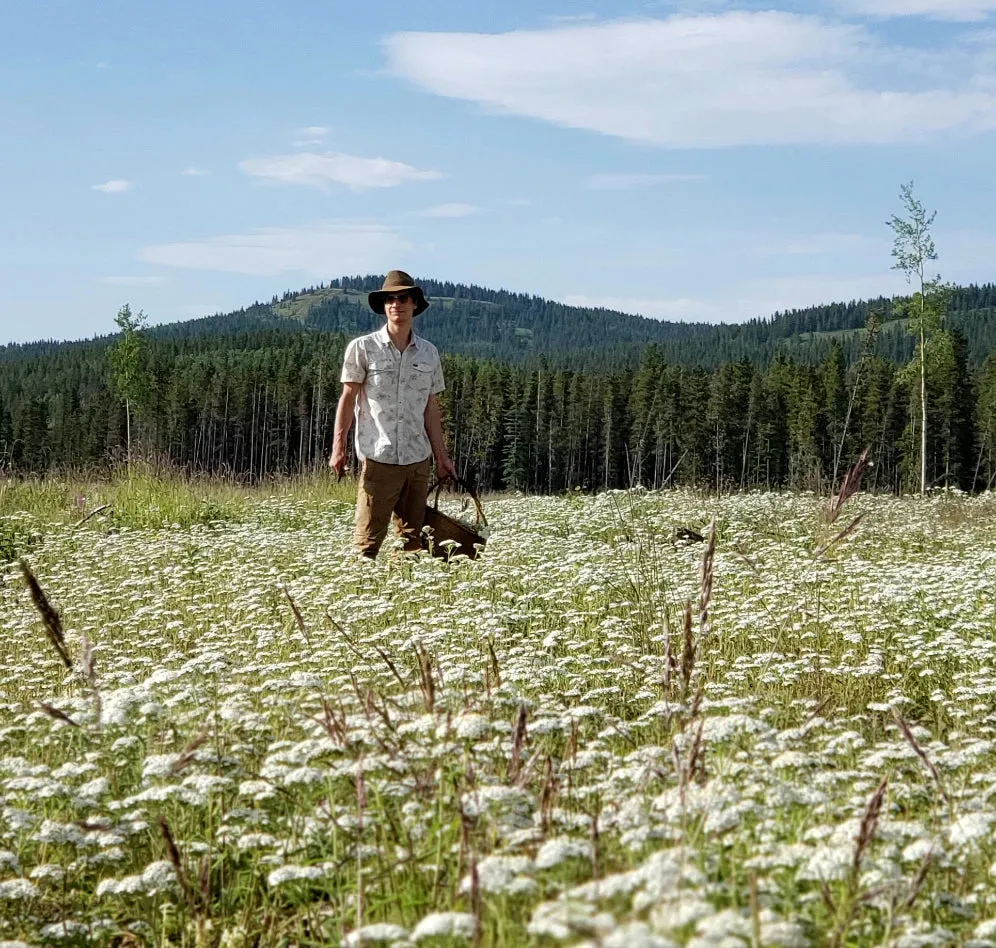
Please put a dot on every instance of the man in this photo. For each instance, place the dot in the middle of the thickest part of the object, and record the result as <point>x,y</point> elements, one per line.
<point>390,380</point>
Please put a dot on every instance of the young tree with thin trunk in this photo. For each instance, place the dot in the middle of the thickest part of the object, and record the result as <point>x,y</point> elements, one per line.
<point>128,363</point>
<point>913,249</point>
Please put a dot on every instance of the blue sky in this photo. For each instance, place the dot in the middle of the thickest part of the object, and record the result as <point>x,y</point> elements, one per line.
<point>699,160</point>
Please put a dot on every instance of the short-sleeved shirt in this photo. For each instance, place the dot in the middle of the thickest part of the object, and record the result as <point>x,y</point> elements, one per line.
<point>390,409</point>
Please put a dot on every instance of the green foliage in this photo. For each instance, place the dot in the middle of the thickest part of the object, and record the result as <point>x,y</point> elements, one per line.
<point>805,394</point>
<point>128,357</point>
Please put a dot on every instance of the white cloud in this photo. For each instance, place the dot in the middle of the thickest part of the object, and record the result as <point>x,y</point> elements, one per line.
<point>449,210</point>
<point>675,310</point>
<point>952,10</point>
<point>114,186</point>
<point>132,280</point>
<point>824,244</point>
<point>320,170</point>
<point>318,249</point>
<point>753,299</point>
<point>310,135</point>
<point>193,172</point>
<point>626,181</point>
<point>196,310</point>
<point>737,78</point>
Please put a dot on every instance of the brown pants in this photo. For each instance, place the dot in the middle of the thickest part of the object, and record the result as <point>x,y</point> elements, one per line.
<point>386,489</point>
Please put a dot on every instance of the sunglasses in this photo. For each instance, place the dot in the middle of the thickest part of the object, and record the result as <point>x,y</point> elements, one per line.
<point>397,298</point>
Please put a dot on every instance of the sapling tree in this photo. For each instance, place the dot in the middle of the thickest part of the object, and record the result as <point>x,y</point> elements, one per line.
<point>913,249</point>
<point>127,362</point>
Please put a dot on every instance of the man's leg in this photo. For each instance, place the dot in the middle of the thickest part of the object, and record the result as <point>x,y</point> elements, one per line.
<point>379,488</point>
<point>409,510</point>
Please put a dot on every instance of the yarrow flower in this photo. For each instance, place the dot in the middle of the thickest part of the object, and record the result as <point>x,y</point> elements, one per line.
<point>444,925</point>
<point>17,890</point>
<point>287,874</point>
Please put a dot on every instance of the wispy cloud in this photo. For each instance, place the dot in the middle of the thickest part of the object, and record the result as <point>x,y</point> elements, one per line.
<point>310,135</point>
<point>735,78</point>
<point>449,210</point>
<point>132,280</point>
<point>319,171</point>
<point>193,172</point>
<point>823,244</point>
<point>754,299</point>
<point>951,10</point>
<point>627,181</point>
<point>674,310</point>
<point>318,249</point>
<point>114,186</point>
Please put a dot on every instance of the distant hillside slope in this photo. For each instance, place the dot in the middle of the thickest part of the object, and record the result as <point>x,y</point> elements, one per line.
<point>515,327</point>
<point>464,320</point>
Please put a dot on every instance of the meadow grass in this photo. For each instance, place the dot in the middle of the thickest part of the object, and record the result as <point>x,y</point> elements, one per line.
<point>595,734</point>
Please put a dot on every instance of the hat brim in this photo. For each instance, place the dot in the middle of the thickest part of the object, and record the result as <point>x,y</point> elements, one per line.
<point>376,299</point>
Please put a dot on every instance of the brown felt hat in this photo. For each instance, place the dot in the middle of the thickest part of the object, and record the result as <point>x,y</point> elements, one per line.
<point>397,281</point>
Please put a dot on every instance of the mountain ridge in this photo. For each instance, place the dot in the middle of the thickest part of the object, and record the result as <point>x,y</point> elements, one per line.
<point>475,321</point>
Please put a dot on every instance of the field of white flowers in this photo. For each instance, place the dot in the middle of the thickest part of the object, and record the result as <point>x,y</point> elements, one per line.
<point>256,738</point>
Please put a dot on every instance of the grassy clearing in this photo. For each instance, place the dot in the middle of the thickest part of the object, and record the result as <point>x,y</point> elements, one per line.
<point>263,740</point>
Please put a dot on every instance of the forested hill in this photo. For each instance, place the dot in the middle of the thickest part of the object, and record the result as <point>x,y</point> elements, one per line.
<point>539,396</point>
<point>515,327</point>
<point>462,320</point>
<point>512,327</point>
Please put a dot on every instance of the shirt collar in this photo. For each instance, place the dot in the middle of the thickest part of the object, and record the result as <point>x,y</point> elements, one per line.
<point>386,338</point>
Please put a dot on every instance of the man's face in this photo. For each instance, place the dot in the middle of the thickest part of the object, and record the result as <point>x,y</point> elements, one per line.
<point>399,308</point>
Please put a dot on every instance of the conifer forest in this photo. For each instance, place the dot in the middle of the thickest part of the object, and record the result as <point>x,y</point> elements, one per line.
<point>540,397</point>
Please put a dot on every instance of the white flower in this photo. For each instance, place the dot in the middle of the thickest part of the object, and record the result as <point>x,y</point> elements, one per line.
<point>445,925</point>
<point>374,934</point>
<point>635,935</point>
<point>294,874</point>
<point>472,727</point>
<point>157,877</point>
<point>115,706</point>
<point>206,783</point>
<point>257,789</point>
<point>93,790</point>
<point>827,863</point>
<point>969,828</point>
<point>15,890</point>
<point>52,831</point>
<point>158,765</point>
<point>919,850</point>
<point>256,841</point>
<point>502,874</point>
<point>65,929</point>
<point>563,919</point>
<point>560,848</point>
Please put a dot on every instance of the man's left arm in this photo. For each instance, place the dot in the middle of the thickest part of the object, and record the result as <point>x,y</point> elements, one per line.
<point>434,429</point>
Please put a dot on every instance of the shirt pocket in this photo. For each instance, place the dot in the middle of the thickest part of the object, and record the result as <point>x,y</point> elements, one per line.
<point>422,377</point>
<point>380,375</point>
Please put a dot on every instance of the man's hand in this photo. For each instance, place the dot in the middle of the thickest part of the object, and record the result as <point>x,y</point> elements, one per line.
<point>343,422</point>
<point>445,467</point>
<point>338,460</point>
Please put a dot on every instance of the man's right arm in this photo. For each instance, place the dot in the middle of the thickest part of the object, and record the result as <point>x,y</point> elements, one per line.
<point>343,422</point>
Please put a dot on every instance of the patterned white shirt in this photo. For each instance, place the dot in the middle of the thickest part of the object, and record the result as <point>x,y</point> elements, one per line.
<point>390,409</point>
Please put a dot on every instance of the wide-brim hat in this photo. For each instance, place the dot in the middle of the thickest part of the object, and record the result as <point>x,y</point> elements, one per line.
<point>397,281</point>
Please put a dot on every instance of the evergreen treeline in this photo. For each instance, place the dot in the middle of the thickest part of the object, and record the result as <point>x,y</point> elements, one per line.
<point>262,401</point>
<point>515,327</point>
